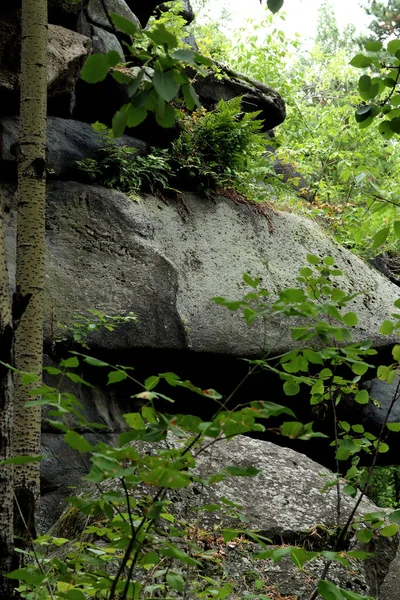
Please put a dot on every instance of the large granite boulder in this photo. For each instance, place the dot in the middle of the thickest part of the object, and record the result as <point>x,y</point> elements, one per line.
<point>108,252</point>
<point>283,502</point>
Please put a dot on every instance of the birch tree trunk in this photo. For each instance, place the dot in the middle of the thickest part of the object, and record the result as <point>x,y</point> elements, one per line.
<point>28,347</point>
<point>6,397</point>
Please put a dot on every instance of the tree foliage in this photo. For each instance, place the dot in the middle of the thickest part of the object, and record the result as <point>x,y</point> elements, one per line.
<point>386,19</point>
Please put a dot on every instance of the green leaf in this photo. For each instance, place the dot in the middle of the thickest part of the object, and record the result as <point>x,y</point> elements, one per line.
<point>386,328</point>
<point>116,376</point>
<point>135,115</point>
<point>313,357</point>
<point>20,460</point>
<point>134,420</point>
<point>174,552</point>
<point>361,61</point>
<point>395,516</point>
<point>77,379</point>
<point>165,85</point>
<point>373,46</point>
<point>135,83</point>
<point>74,595</point>
<point>393,46</point>
<point>77,442</point>
<point>28,378</point>
<point>121,77</point>
<point>95,362</point>
<point>52,370</point>
<point>350,319</point>
<point>349,490</point>
<point>291,388</point>
<point>184,55</point>
<point>389,530</point>
<point>123,24</point>
<point>395,124</point>
<point>97,66</point>
<point>151,382</point>
<point>362,397</point>
<point>329,591</point>
<point>254,283</point>
<point>363,113</point>
<point>393,426</point>
<point>229,534</point>
<point>162,36</point>
<point>364,83</point>
<point>175,581</point>
<point>119,123</point>
<point>70,363</point>
<point>25,575</point>
<point>396,227</point>
<point>359,368</point>
<point>274,5</point>
<point>190,96</point>
<point>313,259</point>
<point>383,448</point>
<point>380,237</point>
<point>114,59</point>
<point>149,414</point>
<point>358,428</point>
<point>385,130</point>
<point>165,114</point>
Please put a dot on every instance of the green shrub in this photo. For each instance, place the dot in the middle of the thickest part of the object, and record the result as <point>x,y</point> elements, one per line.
<point>385,487</point>
<point>125,169</point>
<point>215,150</point>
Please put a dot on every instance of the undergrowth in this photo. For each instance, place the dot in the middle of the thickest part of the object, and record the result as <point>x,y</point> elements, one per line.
<point>215,150</point>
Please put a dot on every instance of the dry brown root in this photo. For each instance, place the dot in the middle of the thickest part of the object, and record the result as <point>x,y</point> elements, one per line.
<point>264,209</point>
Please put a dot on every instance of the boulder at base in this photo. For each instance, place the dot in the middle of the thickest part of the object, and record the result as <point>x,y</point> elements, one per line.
<point>283,502</point>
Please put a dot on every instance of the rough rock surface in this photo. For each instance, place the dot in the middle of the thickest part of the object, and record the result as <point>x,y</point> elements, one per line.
<point>104,41</point>
<point>96,14</point>
<point>67,142</point>
<point>108,252</point>
<point>389,589</point>
<point>256,96</point>
<point>65,57</point>
<point>66,52</point>
<point>184,264</point>
<point>284,502</point>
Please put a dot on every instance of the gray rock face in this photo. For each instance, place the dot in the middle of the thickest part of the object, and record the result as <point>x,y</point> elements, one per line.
<point>256,95</point>
<point>66,53</point>
<point>389,590</point>
<point>108,252</point>
<point>104,41</point>
<point>284,502</point>
<point>97,15</point>
<point>67,142</point>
